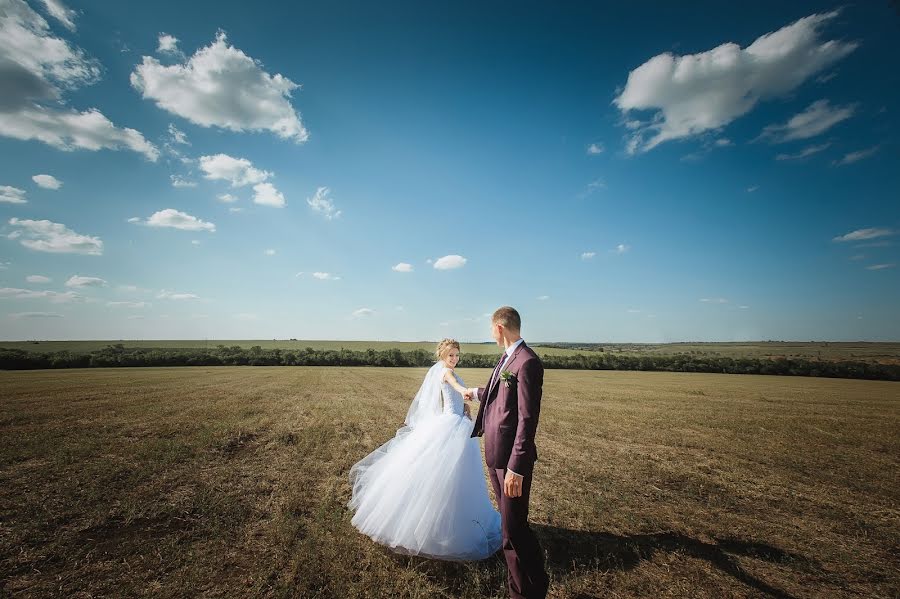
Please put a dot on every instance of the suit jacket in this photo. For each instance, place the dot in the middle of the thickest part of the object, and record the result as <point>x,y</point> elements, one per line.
<point>508,416</point>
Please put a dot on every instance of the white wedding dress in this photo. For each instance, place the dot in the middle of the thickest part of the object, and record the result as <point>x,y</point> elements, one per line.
<point>424,492</point>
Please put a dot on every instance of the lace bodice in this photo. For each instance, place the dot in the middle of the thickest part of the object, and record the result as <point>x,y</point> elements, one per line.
<point>453,399</point>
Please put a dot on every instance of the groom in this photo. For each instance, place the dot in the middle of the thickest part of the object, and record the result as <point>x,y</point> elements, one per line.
<point>508,418</point>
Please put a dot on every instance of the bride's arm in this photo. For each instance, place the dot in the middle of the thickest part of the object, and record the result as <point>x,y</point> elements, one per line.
<point>450,378</point>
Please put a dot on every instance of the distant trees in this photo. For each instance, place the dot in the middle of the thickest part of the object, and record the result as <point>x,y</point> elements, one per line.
<point>119,355</point>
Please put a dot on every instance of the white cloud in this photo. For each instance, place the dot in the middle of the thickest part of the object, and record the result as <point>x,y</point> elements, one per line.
<point>176,296</point>
<point>237,171</point>
<point>862,234</point>
<point>325,276</point>
<point>37,279</point>
<point>69,130</point>
<point>36,68</point>
<point>47,236</point>
<point>752,188</point>
<point>4,264</point>
<point>361,312</point>
<point>60,12</point>
<point>449,262</point>
<point>35,315</point>
<point>195,242</point>
<point>270,252</point>
<point>880,266</point>
<point>221,86</point>
<point>175,219</point>
<point>402,267</point>
<point>815,120</point>
<point>621,248</point>
<point>593,186</point>
<point>855,156</point>
<point>168,44</point>
<point>265,194</point>
<point>706,91</point>
<point>322,204</point>
<point>134,305</point>
<point>177,136</point>
<point>588,255</point>
<point>47,181</point>
<point>180,182</point>
<point>595,148</point>
<point>227,198</point>
<point>723,142</point>
<point>54,296</point>
<point>714,300</point>
<point>543,298</point>
<point>12,195</point>
<point>807,151</point>
<point>78,281</point>
<point>235,209</point>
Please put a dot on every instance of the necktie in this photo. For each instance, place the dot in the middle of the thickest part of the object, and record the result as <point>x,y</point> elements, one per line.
<point>497,369</point>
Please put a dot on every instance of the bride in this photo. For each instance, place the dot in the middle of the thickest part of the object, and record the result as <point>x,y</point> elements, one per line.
<point>424,491</point>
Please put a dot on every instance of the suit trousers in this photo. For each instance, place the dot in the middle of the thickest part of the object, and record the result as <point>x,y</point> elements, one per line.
<point>524,556</point>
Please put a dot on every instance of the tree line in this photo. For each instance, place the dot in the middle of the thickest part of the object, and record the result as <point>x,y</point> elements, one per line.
<point>117,355</point>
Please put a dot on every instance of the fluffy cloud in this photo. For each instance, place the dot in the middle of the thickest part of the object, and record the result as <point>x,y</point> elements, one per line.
<point>129,304</point>
<point>168,44</point>
<point>37,279</point>
<point>177,136</point>
<point>402,267</point>
<point>702,92</point>
<point>588,255</point>
<point>855,156</point>
<point>863,234</point>
<point>36,68</point>
<point>227,198</point>
<point>322,204</point>
<point>815,120</point>
<point>12,195</point>
<point>450,262</point>
<point>595,149</point>
<point>47,181</point>
<point>621,248</point>
<point>714,300</point>
<point>70,130</point>
<point>362,312</point>
<point>175,219</point>
<point>237,171</point>
<point>270,252</point>
<point>47,236</point>
<point>221,86</point>
<point>880,266</point>
<point>78,281</point>
<point>265,194</point>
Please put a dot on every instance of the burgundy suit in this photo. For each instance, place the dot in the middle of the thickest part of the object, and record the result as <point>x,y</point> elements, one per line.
<point>508,418</point>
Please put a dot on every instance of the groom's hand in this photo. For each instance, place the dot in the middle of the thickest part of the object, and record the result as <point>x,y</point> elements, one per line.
<point>512,484</point>
<point>468,395</point>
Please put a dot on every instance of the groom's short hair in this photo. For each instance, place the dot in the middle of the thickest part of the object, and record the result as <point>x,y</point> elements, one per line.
<point>508,317</point>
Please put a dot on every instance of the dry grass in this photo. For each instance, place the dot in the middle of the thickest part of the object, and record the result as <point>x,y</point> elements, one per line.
<point>225,482</point>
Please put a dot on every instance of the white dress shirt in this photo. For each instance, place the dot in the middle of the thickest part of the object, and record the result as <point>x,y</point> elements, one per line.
<point>509,352</point>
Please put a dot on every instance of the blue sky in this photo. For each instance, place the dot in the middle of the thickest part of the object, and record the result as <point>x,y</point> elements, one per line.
<point>633,172</point>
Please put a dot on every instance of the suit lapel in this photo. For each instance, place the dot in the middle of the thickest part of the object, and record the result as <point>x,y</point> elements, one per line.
<point>506,366</point>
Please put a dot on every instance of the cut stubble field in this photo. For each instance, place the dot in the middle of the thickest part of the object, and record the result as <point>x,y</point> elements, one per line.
<point>232,481</point>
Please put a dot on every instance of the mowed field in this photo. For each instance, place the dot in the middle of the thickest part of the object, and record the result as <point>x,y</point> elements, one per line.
<point>232,482</point>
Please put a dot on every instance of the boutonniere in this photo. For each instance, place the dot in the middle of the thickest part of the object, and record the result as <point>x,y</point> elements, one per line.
<point>507,377</point>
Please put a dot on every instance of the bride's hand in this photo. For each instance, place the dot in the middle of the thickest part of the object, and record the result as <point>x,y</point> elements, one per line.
<point>466,411</point>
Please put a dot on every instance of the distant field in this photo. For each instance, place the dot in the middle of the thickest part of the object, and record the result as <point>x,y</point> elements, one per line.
<point>864,351</point>
<point>232,482</point>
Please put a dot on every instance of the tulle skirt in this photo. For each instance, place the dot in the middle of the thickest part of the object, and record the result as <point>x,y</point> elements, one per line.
<point>424,493</point>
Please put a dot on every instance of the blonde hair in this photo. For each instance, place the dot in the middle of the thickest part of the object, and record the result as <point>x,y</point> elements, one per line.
<point>445,346</point>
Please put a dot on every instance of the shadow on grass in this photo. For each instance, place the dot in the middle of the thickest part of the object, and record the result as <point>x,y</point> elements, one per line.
<point>567,549</point>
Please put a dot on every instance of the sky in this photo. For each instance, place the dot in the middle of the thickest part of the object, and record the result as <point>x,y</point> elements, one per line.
<point>618,172</point>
